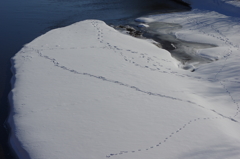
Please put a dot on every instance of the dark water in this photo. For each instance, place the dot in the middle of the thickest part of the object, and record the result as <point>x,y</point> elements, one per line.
<point>22,21</point>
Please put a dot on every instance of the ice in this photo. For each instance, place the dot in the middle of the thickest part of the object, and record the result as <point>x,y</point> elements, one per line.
<point>144,20</point>
<point>203,27</point>
<point>141,25</point>
<point>88,91</point>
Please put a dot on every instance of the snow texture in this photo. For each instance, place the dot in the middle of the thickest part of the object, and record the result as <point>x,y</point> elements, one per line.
<point>87,91</point>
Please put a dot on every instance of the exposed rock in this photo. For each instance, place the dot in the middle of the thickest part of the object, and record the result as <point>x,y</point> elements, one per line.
<point>129,30</point>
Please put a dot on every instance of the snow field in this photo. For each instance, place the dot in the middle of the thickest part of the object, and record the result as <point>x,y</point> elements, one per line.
<point>89,91</point>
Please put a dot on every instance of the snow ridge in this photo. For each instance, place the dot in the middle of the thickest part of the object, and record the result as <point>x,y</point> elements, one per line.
<point>166,139</point>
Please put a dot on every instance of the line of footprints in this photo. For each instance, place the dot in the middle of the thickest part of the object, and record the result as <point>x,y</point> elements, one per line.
<point>126,85</point>
<point>151,63</point>
<point>164,140</point>
<point>99,31</point>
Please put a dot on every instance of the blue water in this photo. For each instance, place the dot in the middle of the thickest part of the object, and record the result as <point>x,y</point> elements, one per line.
<point>22,21</point>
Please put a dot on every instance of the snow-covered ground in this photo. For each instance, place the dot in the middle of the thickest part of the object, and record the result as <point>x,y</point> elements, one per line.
<point>87,91</point>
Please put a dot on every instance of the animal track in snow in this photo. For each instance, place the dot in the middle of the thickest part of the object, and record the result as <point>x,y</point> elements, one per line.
<point>152,62</point>
<point>99,31</point>
<point>168,137</point>
<point>57,64</point>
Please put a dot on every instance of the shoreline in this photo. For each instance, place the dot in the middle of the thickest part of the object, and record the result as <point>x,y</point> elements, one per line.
<point>14,143</point>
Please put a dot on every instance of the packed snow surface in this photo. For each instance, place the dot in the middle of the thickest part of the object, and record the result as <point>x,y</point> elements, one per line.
<point>87,91</point>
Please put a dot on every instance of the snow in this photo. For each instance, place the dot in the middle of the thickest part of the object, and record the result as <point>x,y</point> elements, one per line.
<point>227,7</point>
<point>88,91</point>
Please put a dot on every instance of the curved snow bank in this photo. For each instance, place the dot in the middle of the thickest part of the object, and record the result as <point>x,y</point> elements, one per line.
<point>226,7</point>
<point>13,140</point>
<point>88,91</point>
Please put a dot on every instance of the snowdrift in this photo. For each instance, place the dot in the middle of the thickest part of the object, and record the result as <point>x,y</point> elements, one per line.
<point>88,91</point>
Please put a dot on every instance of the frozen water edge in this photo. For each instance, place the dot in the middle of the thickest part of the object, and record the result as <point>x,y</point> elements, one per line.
<point>184,51</point>
<point>161,34</point>
<point>198,27</point>
<point>88,91</point>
